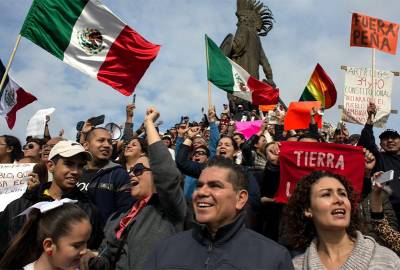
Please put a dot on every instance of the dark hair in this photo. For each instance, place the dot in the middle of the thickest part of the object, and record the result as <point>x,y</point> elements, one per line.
<point>27,244</point>
<point>236,174</point>
<point>143,145</point>
<point>40,142</point>
<point>310,135</point>
<point>240,135</point>
<point>15,144</point>
<point>300,229</point>
<point>235,145</point>
<point>89,135</point>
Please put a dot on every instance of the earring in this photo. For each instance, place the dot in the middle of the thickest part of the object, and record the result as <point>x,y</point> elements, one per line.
<point>49,253</point>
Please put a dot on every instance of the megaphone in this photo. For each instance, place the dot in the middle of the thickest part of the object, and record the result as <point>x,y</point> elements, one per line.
<point>115,130</point>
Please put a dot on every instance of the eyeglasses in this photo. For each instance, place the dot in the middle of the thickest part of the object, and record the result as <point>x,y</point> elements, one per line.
<point>138,169</point>
<point>200,153</point>
<point>28,146</point>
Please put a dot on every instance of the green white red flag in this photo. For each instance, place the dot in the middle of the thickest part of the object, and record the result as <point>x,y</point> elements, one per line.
<point>86,35</point>
<point>232,78</point>
<point>12,98</point>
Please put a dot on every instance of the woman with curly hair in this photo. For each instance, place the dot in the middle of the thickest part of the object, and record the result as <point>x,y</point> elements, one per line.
<point>322,219</point>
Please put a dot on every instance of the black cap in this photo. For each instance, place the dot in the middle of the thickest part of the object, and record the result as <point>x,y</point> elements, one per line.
<point>389,133</point>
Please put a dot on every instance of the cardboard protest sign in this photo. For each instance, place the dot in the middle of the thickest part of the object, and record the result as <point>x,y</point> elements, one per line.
<point>248,128</point>
<point>375,33</point>
<point>358,94</point>
<point>13,182</point>
<point>298,115</point>
<point>298,159</point>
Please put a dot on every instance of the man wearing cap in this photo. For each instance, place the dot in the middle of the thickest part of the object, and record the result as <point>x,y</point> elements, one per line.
<point>65,162</point>
<point>388,158</point>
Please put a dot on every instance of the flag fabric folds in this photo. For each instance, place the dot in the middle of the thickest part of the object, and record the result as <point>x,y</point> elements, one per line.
<point>320,88</point>
<point>12,98</point>
<point>298,115</point>
<point>375,33</point>
<point>86,35</point>
<point>232,78</point>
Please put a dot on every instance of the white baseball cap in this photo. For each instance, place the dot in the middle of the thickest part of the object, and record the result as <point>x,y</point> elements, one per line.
<point>68,149</point>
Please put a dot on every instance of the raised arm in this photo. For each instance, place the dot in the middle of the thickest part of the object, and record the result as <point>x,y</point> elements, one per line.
<point>165,174</point>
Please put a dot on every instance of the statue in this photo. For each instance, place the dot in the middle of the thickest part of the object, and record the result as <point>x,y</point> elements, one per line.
<point>254,20</point>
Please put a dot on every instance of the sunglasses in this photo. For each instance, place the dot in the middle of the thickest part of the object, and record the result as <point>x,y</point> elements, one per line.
<point>200,153</point>
<point>138,169</point>
<point>28,146</point>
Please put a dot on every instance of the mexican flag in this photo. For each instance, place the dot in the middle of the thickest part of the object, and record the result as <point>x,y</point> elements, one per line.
<point>232,78</point>
<point>86,35</point>
<point>12,98</point>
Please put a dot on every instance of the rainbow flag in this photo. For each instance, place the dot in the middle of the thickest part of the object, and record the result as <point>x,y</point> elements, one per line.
<point>320,88</point>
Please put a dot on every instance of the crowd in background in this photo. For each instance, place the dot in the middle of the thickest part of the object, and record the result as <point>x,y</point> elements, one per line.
<point>199,195</point>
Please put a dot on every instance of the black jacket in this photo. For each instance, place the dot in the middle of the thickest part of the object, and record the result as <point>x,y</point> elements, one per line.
<point>234,247</point>
<point>384,161</point>
<point>104,189</point>
<point>10,223</point>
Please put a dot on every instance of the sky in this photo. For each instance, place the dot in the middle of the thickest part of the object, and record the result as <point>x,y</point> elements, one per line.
<point>305,32</point>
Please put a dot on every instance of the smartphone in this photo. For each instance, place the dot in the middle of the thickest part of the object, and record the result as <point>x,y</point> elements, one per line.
<point>385,177</point>
<point>98,120</point>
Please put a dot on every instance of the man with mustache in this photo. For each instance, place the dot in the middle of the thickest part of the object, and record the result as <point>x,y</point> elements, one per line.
<point>219,239</point>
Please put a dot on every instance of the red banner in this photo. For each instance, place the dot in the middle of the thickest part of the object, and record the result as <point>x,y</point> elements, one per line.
<point>374,33</point>
<point>298,159</point>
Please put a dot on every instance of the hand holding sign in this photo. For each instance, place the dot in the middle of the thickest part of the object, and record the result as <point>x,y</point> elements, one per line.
<point>272,152</point>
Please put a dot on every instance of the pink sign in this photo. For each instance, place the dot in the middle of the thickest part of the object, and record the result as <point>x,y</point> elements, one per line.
<point>248,128</point>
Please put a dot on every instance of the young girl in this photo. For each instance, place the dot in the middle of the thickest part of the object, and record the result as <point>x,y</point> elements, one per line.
<point>53,237</point>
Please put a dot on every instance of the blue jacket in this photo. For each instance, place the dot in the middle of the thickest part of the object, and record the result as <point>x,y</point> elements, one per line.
<point>104,190</point>
<point>233,247</point>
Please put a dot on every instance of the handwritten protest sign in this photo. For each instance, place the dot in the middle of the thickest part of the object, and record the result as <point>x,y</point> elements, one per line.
<point>374,33</point>
<point>358,93</point>
<point>13,182</point>
<point>298,159</point>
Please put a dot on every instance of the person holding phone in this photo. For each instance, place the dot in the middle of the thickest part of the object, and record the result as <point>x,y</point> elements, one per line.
<point>389,235</point>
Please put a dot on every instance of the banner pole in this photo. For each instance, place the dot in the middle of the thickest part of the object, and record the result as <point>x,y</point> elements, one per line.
<point>373,80</point>
<point>9,64</point>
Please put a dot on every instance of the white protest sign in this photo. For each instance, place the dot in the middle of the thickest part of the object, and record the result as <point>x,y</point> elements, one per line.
<point>13,182</point>
<point>37,123</point>
<point>358,93</point>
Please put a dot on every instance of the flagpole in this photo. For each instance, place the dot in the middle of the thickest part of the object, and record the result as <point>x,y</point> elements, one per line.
<point>9,64</point>
<point>373,79</point>
<point>209,95</point>
<point>208,64</point>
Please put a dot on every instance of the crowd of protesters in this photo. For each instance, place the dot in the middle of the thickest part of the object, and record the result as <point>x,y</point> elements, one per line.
<point>198,196</point>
